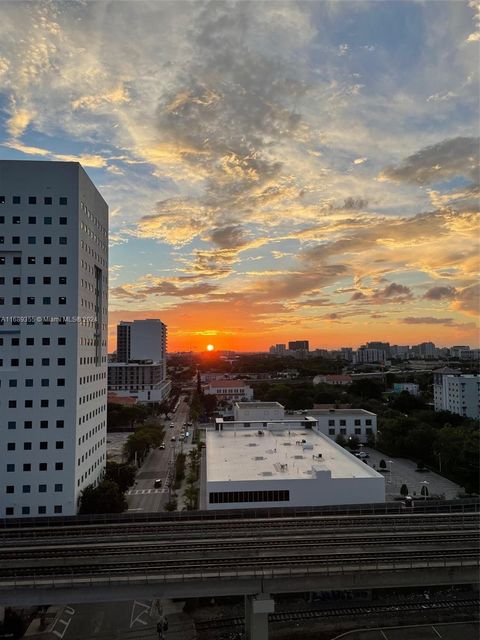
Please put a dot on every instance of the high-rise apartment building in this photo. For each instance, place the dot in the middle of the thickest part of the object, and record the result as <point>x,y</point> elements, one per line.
<point>140,370</point>
<point>456,393</point>
<point>53,336</point>
<point>298,345</point>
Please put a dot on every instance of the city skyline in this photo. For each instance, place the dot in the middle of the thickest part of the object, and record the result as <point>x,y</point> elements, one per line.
<point>272,168</point>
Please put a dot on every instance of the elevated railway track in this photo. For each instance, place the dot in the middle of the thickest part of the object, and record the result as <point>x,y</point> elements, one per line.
<point>174,557</point>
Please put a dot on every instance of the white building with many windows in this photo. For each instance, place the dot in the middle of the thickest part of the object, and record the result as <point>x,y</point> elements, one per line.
<point>457,393</point>
<point>229,390</point>
<point>53,336</point>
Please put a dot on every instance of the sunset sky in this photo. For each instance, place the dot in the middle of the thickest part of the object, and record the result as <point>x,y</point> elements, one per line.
<point>275,170</point>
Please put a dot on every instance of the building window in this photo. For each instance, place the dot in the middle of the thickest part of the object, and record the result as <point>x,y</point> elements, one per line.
<point>10,488</point>
<point>44,423</point>
<point>27,446</point>
<point>331,432</point>
<point>42,510</point>
<point>32,240</point>
<point>12,424</point>
<point>26,488</point>
<point>46,300</point>
<point>32,219</point>
<point>343,423</point>
<point>62,260</point>
<point>62,201</point>
<point>16,220</point>
<point>59,444</point>
<point>223,497</point>
<point>358,431</point>
<point>16,200</point>
<point>9,511</point>
<point>47,240</point>
<point>27,466</point>
<point>60,424</point>
<point>357,422</point>
<point>58,508</point>
<point>25,511</point>
<point>44,445</point>
<point>62,240</point>
<point>27,424</point>
<point>47,260</point>
<point>59,466</point>
<point>10,468</point>
<point>47,200</point>
<point>42,466</point>
<point>331,423</point>
<point>62,220</point>
<point>58,488</point>
<point>31,260</point>
<point>42,488</point>
<point>32,199</point>
<point>343,432</point>
<point>368,422</point>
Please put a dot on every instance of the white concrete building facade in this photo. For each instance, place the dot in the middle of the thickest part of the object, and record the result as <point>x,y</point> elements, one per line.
<point>229,390</point>
<point>144,381</point>
<point>284,466</point>
<point>458,394</point>
<point>53,336</point>
<point>345,422</point>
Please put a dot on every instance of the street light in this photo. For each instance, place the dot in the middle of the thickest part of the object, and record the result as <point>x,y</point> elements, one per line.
<point>390,462</point>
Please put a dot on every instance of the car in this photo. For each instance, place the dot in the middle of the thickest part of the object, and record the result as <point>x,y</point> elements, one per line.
<point>157,483</point>
<point>182,438</point>
<point>362,455</point>
<point>172,426</point>
<point>185,424</point>
<point>189,424</point>
<point>172,439</point>
<point>162,446</point>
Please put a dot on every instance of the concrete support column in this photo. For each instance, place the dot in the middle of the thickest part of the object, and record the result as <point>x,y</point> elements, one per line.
<point>257,608</point>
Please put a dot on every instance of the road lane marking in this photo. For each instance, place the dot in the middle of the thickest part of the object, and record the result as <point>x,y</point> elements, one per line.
<point>436,632</point>
<point>144,611</point>
<point>383,635</point>
<point>66,623</point>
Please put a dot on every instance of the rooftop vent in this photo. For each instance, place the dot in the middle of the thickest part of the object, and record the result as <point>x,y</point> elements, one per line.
<point>298,457</point>
<point>286,444</point>
<point>252,444</point>
<point>267,473</point>
<point>259,458</point>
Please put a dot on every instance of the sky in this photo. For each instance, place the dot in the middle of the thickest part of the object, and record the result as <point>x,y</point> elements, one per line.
<point>275,171</point>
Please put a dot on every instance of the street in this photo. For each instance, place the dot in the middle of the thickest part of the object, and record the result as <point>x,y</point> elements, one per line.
<point>143,496</point>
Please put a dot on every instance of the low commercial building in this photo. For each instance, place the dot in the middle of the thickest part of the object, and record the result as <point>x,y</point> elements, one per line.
<point>229,390</point>
<point>345,422</point>
<point>281,465</point>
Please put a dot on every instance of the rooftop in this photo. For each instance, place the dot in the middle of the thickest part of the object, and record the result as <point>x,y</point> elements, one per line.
<point>259,405</point>
<point>278,454</point>
<point>227,383</point>
<point>339,412</point>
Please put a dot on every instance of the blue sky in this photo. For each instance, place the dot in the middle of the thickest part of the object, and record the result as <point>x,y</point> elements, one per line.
<point>274,170</point>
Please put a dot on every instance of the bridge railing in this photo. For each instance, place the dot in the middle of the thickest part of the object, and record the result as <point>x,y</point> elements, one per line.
<point>437,506</point>
<point>155,577</point>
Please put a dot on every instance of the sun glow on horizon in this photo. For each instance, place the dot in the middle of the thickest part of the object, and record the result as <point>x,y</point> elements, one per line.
<point>210,347</point>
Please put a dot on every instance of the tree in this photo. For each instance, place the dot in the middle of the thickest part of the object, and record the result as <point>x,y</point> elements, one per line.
<point>171,505</point>
<point>424,491</point>
<point>404,490</point>
<point>105,498</point>
<point>121,473</point>
<point>341,440</point>
<point>353,442</point>
<point>191,496</point>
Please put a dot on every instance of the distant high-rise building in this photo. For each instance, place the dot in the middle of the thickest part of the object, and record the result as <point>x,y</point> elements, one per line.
<point>380,346</point>
<point>298,345</point>
<point>53,336</point>
<point>140,370</point>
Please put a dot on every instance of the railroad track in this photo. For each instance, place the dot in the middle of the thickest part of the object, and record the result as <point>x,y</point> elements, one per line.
<point>208,546</point>
<point>182,566</point>
<point>221,528</point>
<point>292,616</point>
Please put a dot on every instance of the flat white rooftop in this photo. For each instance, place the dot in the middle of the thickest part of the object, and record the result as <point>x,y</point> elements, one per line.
<point>279,454</point>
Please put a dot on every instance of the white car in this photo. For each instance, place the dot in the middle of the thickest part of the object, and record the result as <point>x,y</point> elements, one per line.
<point>172,426</point>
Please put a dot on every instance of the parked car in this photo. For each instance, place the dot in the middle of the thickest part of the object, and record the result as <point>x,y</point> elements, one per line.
<point>362,455</point>
<point>172,426</point>
<point>157,483</point>
<point>172,439</point>
<point>162,446</point>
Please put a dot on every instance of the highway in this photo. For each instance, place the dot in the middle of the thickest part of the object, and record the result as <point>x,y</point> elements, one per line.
<point>179,552</point>
<point>143,496</point>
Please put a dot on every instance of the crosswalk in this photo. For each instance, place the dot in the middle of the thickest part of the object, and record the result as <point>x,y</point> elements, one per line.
<point>143,492</point>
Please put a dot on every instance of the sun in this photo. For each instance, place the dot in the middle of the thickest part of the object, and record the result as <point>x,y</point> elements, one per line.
<point>210,347</point>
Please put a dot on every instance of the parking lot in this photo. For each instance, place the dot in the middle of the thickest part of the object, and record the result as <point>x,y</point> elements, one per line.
<point>401,471</point>
<point>445,631</point>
